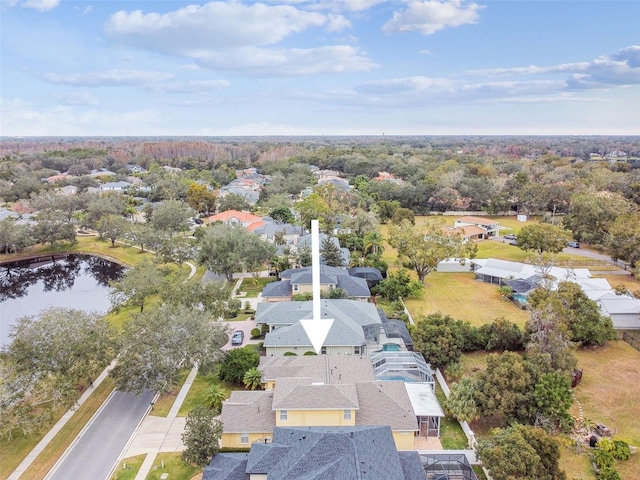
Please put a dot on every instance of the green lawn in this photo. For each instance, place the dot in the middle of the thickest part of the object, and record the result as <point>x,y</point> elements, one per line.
<point>197,392</point>
<point>464,298</point>
<point>451,435</point>
<point>253,287</point>
<point>174,466</point>
<point>165,402</point>
<point>128,468</point>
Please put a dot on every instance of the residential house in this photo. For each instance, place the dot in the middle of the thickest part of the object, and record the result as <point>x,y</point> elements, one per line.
<point>310,452</point>
<point>357,327</point>
<point>235,217</point>
<point>120,186</point>
<point>624,310</point>
<point>270,228</point>
<point>299,280</point>
<point>339,391</point>
<point>477,227</point>
<point>68,190</point>
<point>388,177</point>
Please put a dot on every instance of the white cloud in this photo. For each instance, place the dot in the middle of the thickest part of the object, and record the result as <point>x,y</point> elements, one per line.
<point>40,5</point>
<point>210,26</point>
<point>19,117</point>
<point>75,98</point>
<point>419,91</point>
<point>239,38</point>
<point>428,17</point>
<point>108,78</point>
<point>192,86</point>
<point>272,62</point>
<point>337,23</point>
<point>619,69</point>
<point>530,70</point>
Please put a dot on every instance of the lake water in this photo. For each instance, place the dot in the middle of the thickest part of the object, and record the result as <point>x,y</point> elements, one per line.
<point>74,281</point>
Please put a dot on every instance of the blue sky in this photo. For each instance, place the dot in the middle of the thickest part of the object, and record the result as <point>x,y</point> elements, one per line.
<point>334,67</point>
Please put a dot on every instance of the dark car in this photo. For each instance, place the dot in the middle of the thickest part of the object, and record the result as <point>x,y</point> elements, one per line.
<point>198,221</point>
<point>573,244</point>
<point>237,338</point>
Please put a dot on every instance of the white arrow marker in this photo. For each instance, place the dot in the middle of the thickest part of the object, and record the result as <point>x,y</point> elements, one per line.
<point>317,328</point>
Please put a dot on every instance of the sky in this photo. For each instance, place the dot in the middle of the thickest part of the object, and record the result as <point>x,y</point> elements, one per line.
<point>323,67</point>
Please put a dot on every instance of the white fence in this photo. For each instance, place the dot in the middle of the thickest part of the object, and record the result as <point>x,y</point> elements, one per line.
<point>471,437</point>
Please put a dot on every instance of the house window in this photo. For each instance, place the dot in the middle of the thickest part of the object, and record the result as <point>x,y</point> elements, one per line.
<point>346,415</point>
<point>244,438</point>
<point>295,287</point>
<point>356,350</point>
<point>323,351</point>
<point>283,415</point>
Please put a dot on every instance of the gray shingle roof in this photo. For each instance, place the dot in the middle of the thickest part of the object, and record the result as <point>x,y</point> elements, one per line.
<point>412,467</point>
<point>245,412</point>
<point>287,313</point>
<point>349,317</point>
<point>227,466</point>
<point>390,398</point>
<point>354,286</point>
<point>320,368</point>
<point>303,393</point>
<point>277,289</point>
<point>324,269</point>
<point>336,453</point>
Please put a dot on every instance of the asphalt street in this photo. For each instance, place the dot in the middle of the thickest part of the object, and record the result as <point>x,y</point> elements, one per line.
<point>98,447</point>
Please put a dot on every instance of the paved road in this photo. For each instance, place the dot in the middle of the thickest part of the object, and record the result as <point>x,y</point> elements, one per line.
<point>95,451</point>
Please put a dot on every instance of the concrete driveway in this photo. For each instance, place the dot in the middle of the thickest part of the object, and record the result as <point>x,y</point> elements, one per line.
<point>246,326</point>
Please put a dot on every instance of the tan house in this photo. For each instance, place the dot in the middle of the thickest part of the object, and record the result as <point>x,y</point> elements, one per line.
<point>338,392</point>
<point>476,228</point>
<point>235,217</point>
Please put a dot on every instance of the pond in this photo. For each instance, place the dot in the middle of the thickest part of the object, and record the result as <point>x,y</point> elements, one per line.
<point>72,281</point>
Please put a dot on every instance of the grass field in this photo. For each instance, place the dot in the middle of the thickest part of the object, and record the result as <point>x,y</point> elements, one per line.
<point>197,392</point>
<point>174,466</point>
<point>464,298</point>
<point>128,468</point>
<point>253,287</point>
<point>610,394</point>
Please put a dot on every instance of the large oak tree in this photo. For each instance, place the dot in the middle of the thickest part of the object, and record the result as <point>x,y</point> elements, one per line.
<point>423,246</point>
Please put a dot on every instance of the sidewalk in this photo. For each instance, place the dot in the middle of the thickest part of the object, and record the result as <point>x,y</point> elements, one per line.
<point>158,434</point>
<point>19,471</point>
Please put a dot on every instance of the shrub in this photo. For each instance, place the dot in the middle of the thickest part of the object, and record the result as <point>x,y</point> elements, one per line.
<point>290,354</point>
<point>608,473</point>
<point>236,362</point>
<point>255,332</point>
<point>622,451</point>
<point>602,458</point>
<point>453,372</point>
<point>310,353</point>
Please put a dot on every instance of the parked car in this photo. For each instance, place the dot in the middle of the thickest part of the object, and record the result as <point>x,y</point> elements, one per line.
<point>198,221</point>
<point>237,338</point>
<point>573,244</point>
<point>511,236</point>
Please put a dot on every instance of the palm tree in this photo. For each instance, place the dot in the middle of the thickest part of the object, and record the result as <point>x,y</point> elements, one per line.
<point>214,396</point>
<point>373,243</point>
<point>253,379</point>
